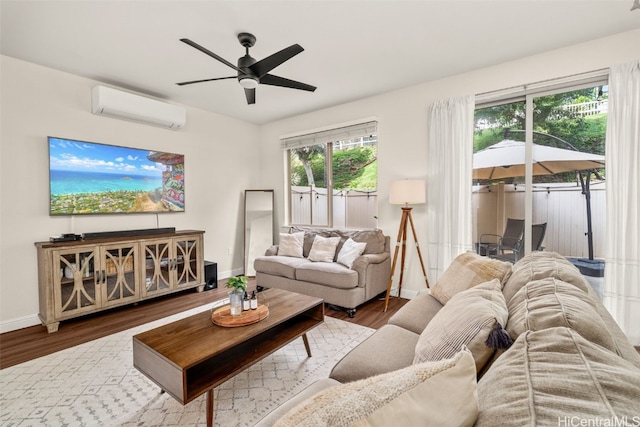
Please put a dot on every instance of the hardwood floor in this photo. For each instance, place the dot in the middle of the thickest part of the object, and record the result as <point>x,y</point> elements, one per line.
<point>33,342</point>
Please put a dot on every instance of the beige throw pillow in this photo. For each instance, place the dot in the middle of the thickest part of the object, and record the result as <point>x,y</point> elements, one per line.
<point>432,393</point>
<point>468,319</point>
<point>291,244</point>
<point>310,234</point>
<point>323,249</point>
<point>374,239</point>
<point>350,251</point>
<point>467,270</point>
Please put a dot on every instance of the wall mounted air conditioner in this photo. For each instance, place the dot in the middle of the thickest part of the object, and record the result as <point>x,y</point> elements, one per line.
<point>127,106</point>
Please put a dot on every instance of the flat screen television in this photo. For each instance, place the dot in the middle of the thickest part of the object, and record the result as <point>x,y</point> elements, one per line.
<point>90,178</point>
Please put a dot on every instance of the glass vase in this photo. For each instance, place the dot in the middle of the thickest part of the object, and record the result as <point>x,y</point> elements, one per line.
<point>235,302</point>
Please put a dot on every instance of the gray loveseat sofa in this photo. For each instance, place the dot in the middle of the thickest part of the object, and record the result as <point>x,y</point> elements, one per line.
<point>561,359</point>
<point>336,283</point>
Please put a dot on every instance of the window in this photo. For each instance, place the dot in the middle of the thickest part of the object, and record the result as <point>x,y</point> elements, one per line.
<point>332,177</point>
<point>567,197</point>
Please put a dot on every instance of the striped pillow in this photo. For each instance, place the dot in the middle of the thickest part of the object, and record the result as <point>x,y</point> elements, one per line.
<point>468,319</point>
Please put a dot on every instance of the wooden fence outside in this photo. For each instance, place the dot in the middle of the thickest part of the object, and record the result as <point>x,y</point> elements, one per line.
<point>351,209</point>
<point>561,206</point>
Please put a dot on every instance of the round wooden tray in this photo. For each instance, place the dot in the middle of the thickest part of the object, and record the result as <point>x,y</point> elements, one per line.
<point>222,316</point>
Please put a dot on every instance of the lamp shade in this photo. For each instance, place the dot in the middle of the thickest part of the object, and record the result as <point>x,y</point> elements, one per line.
<point>407,191</point>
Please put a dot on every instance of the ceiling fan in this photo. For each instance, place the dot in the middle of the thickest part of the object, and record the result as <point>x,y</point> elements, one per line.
<point>252,72</point>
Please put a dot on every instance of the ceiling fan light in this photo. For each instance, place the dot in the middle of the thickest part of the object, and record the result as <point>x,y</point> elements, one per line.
<point>249,83</point>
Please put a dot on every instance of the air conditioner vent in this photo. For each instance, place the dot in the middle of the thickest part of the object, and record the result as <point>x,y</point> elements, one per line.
<point>124,105</point>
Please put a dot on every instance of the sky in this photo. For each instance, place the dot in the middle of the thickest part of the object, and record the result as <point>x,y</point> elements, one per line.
<point>81,156</point>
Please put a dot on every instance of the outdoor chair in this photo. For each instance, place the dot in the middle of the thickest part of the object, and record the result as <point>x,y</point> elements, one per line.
<point>514,254</point>
<point>489,244</point>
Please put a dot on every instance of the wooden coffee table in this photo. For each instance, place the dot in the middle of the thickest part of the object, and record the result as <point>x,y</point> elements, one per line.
<point>192,356</point>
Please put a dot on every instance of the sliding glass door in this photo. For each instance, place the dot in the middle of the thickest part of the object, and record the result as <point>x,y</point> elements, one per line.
<point>540,158</point>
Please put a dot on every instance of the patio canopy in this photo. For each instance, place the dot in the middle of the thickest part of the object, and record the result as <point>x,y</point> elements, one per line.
<point>506,159</point>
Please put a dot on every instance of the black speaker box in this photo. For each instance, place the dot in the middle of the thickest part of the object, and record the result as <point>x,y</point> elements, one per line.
<point>210,275</point>
<point>128,233</point>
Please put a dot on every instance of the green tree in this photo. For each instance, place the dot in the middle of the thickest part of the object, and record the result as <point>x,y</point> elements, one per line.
<point>551,117</point>
<point>350,165</point>
<point>306,155</point>
<point>353,168</point>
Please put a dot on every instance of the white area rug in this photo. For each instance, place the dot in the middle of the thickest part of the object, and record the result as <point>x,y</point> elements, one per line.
<point>95,384</point>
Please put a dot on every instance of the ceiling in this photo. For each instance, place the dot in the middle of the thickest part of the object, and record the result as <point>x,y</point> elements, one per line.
<point>353,49</point>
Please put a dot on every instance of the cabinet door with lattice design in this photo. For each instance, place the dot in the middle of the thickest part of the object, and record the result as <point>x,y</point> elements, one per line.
<point>187,268</point>
<point>75,281</point>
<point>118,279</point>
<point>157,274</point>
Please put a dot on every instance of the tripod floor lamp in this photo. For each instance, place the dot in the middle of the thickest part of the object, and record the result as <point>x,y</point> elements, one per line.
<point>405,192</point>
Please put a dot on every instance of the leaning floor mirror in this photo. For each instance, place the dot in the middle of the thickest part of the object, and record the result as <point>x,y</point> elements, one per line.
<point>258,226</point>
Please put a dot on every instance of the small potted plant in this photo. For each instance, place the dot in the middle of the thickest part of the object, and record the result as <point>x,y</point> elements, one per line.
<point>238,286</point>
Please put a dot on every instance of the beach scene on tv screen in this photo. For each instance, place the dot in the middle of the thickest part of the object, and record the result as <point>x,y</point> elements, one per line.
<point>92,178</point>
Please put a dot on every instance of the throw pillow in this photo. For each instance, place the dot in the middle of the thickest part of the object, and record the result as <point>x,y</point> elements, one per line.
<point>467,270</point>
<point>323,249</point>
<point>350,251</point>
<point>291,244</point>
<point>310,234</point>
<point>472,318</point>
<point>374,239</point>
<point>431,393</point>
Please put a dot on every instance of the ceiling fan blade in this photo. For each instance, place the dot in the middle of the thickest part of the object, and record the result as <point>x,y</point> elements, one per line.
<point>251,95</point>
<point>267,64</point>
<point>211,54</point>
<point>272,80</point>
<point>205,80</point>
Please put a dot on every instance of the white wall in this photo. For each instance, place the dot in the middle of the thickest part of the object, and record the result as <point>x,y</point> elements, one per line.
<point>220,157</point>
<point>220,160</point>
<point>402,123</point>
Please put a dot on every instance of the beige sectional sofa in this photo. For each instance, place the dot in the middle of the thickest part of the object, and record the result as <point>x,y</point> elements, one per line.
<point>342,279</point>
<point>542,348</point>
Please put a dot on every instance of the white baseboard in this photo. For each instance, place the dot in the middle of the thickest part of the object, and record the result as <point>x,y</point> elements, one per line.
<point>19,323</point>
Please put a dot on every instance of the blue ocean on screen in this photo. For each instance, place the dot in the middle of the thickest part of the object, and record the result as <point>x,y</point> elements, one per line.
<point>72,182</point>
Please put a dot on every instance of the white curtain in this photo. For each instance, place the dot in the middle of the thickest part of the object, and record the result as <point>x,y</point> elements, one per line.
<point>622,268</point>
<point>449,174</point>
